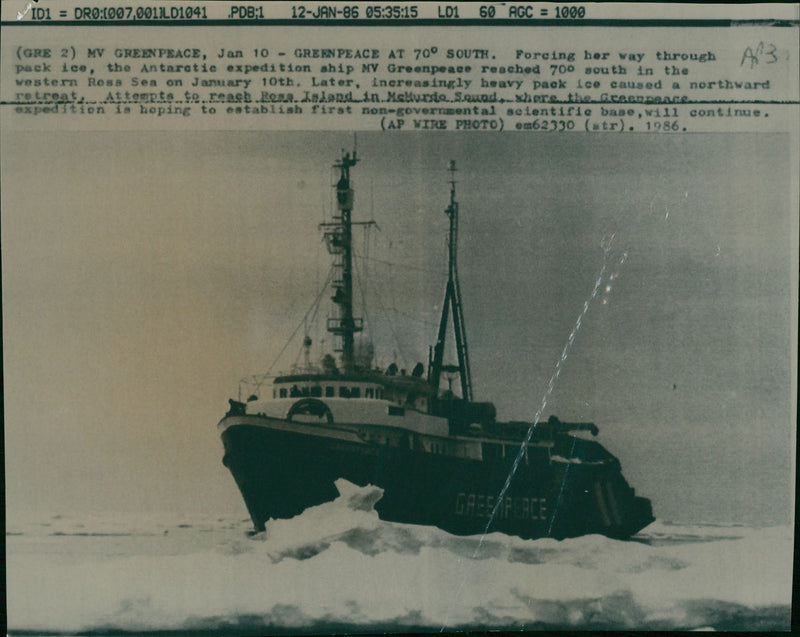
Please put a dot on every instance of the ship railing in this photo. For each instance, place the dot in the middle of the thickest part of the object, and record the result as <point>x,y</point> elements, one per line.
<point>251,386</point>
<point>396,386</point>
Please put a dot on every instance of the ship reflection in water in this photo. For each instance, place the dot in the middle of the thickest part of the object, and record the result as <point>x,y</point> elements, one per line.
<point>440,458</point>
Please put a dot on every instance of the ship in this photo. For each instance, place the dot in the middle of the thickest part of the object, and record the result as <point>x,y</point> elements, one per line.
<point>440,458</point>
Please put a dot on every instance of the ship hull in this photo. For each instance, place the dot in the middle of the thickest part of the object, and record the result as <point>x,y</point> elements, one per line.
<point>281,471</point>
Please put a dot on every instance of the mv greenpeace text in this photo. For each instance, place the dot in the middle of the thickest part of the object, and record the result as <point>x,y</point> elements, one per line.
<point>264,78</point>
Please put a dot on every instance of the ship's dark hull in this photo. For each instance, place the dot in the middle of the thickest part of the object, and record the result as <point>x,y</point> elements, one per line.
<point>280,473</point>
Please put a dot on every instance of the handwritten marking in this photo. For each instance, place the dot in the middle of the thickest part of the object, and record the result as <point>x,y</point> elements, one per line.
<point>28,7</point>
<point>754,55</point>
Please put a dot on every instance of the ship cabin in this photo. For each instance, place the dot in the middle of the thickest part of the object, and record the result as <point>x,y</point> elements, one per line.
<point>403,390</point>
<point>371,397</point>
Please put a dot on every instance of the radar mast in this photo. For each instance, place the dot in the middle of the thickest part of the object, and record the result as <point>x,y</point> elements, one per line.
<point>339,239</point>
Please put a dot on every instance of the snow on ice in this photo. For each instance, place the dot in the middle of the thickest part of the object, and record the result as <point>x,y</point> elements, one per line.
<point>338,565</point>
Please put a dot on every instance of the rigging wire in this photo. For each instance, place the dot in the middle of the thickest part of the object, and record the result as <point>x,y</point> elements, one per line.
<point>391,326</point>
<point>300,351</point>
<point>363,290</point>
<point>392,290</point>
<point>313,307</point>
<point>404,265</point>
<point>313,318</point>
<point>415,318</point>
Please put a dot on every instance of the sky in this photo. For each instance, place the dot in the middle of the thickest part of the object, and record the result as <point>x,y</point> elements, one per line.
<point>145,273</point>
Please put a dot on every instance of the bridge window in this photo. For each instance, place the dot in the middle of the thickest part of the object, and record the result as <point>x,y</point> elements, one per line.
<point>396,411</point>
<point>344,392</point>
<point>329,391</point>
<point>355,392</point>
<point>369,392</point>
<point>316,391</point>
<point>379,394</point>
<point>274,393</point>
<point>283,392</point>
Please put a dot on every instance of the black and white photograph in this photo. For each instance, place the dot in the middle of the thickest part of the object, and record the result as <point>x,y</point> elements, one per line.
<point>259,383</point>
<point>398,318</point>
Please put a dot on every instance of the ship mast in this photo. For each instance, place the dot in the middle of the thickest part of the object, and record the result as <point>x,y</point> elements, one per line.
<point>452,301</point>
<point>339,238</point>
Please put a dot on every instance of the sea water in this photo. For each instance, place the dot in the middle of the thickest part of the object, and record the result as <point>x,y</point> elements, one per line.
<point>338,568</point>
